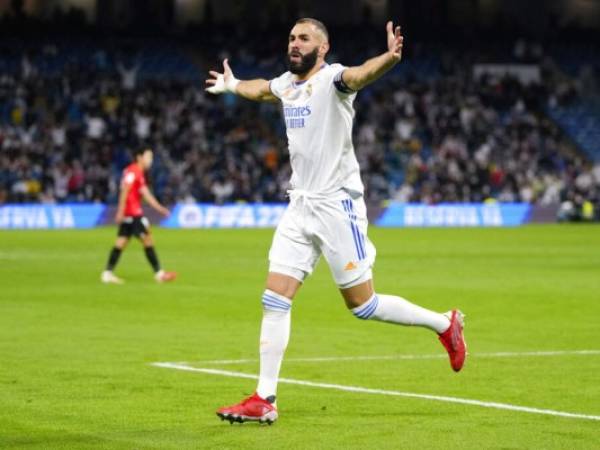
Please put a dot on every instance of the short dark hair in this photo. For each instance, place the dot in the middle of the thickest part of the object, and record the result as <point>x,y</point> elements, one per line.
<point>140,150</point>
<point>317,23</point>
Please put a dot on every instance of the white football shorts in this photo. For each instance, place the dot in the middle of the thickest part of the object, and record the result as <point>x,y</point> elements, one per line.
<point>335,225</point>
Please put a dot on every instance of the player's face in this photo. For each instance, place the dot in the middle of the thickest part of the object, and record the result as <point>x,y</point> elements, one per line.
<point>305,46</point>
<point>147,159</point>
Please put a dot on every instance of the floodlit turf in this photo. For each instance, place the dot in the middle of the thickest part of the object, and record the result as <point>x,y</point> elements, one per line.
<point>75,355</point>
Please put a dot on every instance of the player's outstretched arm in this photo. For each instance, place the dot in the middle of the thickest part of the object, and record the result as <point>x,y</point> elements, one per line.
<point>151,200</point>
<point>358,77</point>
<point>257,90</point>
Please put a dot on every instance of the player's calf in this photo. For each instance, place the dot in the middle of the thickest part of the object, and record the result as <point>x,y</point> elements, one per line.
<point>449,326</point>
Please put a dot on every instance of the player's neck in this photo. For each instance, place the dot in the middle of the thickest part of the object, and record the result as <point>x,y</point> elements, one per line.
<point>305,76</point>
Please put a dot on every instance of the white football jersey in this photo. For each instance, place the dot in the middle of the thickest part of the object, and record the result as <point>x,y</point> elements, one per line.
<point>318,116</point>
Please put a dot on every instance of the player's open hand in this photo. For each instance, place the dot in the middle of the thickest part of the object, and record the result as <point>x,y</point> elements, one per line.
<point>394,40</point>
<point>222,82</point>
<point>118,218</point>
<point>164,211</point>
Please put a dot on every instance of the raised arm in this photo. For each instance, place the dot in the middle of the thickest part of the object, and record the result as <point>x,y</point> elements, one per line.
<point>257,90</point>
<point>358,77</point>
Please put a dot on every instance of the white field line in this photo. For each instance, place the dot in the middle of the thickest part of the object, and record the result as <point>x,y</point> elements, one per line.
<point>362,390</point>
<point>408,357</point>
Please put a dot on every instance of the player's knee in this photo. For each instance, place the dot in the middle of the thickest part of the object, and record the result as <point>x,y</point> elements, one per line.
<point>357,294</point>
<point>355,302</point>
<point>121,243</point>
<point>283,284</point>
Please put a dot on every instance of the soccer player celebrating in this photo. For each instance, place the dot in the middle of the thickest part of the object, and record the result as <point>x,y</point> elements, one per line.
<point>327,213</point>
<point>131,220</point>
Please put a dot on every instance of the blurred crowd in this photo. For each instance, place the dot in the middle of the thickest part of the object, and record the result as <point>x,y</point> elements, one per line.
<point>460,139</point>
<point>422,135</point>
<point>67,137</point>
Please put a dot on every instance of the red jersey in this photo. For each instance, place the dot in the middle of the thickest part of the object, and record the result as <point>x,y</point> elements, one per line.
<point>133,176</point>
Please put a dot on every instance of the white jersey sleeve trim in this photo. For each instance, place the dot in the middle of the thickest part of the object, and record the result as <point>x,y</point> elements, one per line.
<point>271,88</point>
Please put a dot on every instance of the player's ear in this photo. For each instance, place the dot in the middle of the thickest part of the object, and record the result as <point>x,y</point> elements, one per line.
<point>323,49</point>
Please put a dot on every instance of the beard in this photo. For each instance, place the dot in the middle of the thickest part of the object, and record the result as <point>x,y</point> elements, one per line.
<point>306,63</point>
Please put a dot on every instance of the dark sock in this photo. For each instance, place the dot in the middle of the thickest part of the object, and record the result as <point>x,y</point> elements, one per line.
<point>152,258</point>
<point>113,258</point>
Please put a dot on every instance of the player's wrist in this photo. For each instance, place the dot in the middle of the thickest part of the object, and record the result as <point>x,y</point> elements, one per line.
<point>224,84</point>
<point>232,84</point>
<point>393,56</point>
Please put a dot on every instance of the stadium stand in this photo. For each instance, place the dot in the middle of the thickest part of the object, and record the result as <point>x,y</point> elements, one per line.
<point>582,122</point>
<point>70,112</point>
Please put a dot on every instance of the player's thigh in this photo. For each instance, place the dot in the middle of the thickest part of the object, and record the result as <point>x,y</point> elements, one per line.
<point>141,229</point>
<point>344,242</point>
<point>147,240</point>
<point>292,252</point>
<point>121,242</point>
<point>125,230</point>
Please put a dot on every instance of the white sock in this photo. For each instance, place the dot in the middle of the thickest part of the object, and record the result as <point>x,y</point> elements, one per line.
<point>389,308</point>
<point>274,337</point>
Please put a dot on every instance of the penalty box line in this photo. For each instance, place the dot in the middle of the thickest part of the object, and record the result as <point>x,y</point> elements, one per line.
<point>363,390</point>
<point>410,357</point>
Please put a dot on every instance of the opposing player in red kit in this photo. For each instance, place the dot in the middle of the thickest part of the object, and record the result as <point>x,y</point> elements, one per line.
<point>131,220</point>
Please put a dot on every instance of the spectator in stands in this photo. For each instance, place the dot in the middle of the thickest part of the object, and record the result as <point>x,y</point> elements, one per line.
<point>66,134</point>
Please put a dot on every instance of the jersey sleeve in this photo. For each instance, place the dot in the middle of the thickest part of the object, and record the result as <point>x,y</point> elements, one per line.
<point>133,178</point>
<point>278,85</point>
<point>128,178</point>
<point>338,80</point>
<point>340,85</point>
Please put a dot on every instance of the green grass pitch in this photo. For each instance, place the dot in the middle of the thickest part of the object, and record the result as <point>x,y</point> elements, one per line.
<point>75,355</point>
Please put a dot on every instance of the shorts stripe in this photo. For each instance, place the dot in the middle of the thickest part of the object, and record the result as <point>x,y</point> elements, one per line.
<point>361,237</point>
<point>352,227</point>
<point>358,237</point>
<point>358,234</point>
<point>362,242</point>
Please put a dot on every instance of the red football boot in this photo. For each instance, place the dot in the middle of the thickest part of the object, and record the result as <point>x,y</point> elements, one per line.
<point>453,339</point>
<point>252,409</point>
<point>163,276</point>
